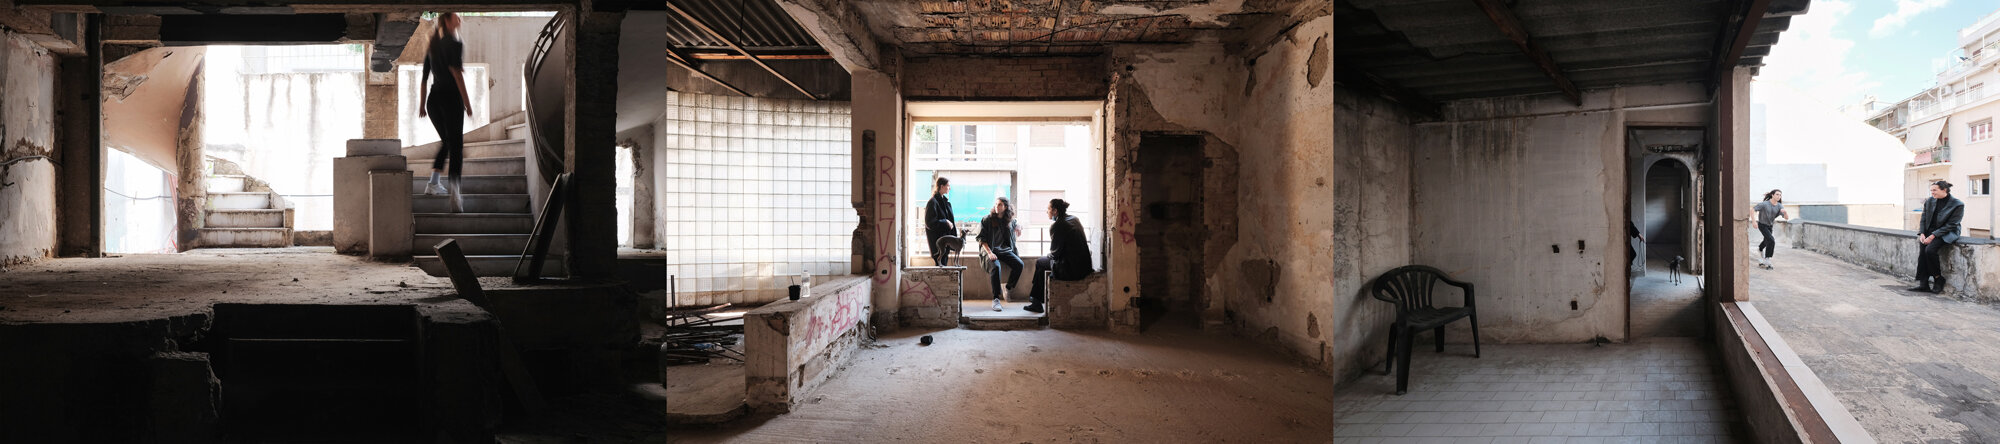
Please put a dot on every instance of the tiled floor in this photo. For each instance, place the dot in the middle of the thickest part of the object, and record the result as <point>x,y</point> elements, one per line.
<point>1662,390</point>
<point>1911,367</point>
<point>1663,308</point>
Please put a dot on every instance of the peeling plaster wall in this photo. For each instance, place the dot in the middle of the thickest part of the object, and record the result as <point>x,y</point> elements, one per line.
<point>27,128</point>
<point>1371,221</point>
<point>1506,188</point>
<point>1276,114</point>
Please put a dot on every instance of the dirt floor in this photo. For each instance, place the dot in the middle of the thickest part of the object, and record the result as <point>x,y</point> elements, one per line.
<point>1171,384</point>
<point>149,286</point>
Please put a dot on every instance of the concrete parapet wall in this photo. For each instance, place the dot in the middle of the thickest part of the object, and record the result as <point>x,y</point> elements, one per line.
<point>1971,267</point>
<point>931,297</point>
<point>1079,304</point>
<point>791,347</point>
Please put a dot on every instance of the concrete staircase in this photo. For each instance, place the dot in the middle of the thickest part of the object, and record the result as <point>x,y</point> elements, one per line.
<point>497,217</point>
<point>243,212</point>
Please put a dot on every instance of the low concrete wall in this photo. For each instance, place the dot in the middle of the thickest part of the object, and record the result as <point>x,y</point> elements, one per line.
<point>791,347</point>
<point>1079,304</point>
<point>1782,399</point>
<point>1971,267</point>
<point>932,297</point>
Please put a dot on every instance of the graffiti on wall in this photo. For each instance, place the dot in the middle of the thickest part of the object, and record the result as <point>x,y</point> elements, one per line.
<point>827,321</point>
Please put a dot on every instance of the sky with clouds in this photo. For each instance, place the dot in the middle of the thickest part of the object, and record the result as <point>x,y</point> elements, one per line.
<point>1843,50</point>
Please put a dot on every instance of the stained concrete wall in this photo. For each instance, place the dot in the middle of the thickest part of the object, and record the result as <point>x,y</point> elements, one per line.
<point>1525,198</point>
<point>1372,219</point>
<point>1971,267</point>
<point>27,128</point>
<point>791,347</point>
<point>1272,108</point>
<point>1004,78</point>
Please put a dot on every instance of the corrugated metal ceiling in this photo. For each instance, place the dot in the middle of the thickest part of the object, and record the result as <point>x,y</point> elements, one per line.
<point>755,24</point>
<point>1448,49</point>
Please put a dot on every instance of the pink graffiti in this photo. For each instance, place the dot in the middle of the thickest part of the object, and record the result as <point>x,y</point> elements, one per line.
<point>921,288</point>
<point>885,223</point>
<point>845,312</point>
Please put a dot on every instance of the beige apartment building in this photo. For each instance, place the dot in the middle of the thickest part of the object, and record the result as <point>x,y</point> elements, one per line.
<point>1950,128</point>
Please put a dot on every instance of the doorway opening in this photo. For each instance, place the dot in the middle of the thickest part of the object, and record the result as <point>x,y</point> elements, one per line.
<point>1665,293</point>
<point>1170,232</point>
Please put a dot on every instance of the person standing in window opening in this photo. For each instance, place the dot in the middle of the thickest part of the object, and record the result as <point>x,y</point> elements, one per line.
<point>1069,254</point>
<point>996,239</point>
<point>1768,212</point>
<point>937,220</point>
<point>1937,229</point>
<point>444,103</point>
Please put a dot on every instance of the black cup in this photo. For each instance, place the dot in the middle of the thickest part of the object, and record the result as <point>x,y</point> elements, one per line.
<point>795,292</point>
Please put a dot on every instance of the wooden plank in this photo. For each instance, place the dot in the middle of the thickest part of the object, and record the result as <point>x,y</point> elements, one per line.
<point>460,271</point>
<point>1510,25</point>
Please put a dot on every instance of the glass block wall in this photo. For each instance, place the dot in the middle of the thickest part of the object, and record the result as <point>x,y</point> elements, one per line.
<point>756,192</point>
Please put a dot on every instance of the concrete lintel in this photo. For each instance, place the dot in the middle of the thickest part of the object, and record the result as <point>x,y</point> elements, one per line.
<point>839,28</point>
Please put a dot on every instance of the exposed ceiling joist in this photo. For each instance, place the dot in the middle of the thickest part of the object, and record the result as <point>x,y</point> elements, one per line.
<point>1510,25</point>
<point>1736,40</point>
<point>698,23</point>
<point>1346,74</point>
<point>683,63</point>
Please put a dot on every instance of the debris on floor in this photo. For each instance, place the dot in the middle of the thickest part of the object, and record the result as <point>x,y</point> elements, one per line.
<point>700,335</point>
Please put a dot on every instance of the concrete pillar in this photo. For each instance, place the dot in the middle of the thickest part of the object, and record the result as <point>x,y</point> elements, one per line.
<point>644,211</point>
<point>589,155</point>
<point>878,148</point>
<point>191,182</point>
<point>352,189</point>
<point>379,115</point>
<point>1727,172</point>
<point>81,118</point>
<point>391,227</point>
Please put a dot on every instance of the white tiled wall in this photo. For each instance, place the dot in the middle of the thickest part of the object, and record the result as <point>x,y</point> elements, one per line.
<point>756,191</point>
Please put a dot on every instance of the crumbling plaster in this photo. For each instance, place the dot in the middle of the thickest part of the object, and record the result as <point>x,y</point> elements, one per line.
<point>27,128</point>
<point>1279,122</point>
<point>1523,197</point>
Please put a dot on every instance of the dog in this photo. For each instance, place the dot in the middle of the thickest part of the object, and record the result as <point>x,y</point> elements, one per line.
<point>1674,270</point>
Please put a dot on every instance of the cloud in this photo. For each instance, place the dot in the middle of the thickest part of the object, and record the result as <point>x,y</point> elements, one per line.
<point>1810,58</point>
<point>1905,10</point>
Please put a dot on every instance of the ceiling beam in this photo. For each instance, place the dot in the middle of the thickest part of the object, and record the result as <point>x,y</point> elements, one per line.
<point>724,56</point>
<point>678,60</point>
<point>1510,25</point>
<point>1733,41</point>
<point>739,48</point>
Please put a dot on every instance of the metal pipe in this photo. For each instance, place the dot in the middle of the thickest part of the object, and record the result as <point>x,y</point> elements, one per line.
<point>739,48</point>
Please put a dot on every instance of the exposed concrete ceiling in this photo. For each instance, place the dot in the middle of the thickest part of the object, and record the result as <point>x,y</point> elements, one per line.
<point>1445,50</point>
<point>144,96</point>
<point>938,27</point>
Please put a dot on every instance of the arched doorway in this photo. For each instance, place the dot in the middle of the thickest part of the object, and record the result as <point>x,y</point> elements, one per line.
<point>1666,300</point>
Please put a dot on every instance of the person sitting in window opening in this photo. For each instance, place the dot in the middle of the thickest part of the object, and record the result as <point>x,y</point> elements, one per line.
<point>1069,254</point>
<point>996,241</point>
<point>937,220</point>
<point>446,100</point>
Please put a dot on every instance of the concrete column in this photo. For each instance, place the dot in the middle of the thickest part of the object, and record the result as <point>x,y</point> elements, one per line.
<point>1727,172</point>
<point>391,227</point>
<point>589,155</point>
<point>352,189</point>
<point>379,116</point>
<point>878,148</point>
<point>81,118</point>
<point>191,182</point>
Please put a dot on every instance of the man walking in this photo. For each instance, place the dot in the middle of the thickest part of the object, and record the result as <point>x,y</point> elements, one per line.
<point>1768,212</point>
<point>1939,227</point>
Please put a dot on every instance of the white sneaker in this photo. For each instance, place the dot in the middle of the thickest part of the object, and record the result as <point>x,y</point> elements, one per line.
<point>996,304</point>
<point>434,189</point>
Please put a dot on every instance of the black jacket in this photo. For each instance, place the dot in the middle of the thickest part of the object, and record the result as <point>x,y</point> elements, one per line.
<point>1941,218</point>
<point>1069,249</point>
<point>937,218</point>
<point>997,234</point>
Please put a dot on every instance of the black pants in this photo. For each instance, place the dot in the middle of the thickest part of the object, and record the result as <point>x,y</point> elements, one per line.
<point>1770,244</point>
<point>1009,263</point>
<point>448,115</point>
<point>1927,260</point>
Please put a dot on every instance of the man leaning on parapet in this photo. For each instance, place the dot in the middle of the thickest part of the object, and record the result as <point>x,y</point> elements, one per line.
<point>1939,228</point>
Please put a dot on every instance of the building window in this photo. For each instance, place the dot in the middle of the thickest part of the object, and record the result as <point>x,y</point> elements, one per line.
<point>1028,164</point>
<point>1980,185</point>
<point>1981,130</point>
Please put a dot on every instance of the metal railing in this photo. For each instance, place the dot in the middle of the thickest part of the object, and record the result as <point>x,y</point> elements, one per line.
<point>965,151</point>
<point>1933,155</point>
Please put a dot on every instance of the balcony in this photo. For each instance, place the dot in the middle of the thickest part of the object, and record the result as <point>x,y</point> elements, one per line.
<point>1933,155</point>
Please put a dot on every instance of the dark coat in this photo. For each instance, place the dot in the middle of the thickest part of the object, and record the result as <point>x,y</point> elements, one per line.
<point>997,234</point>
<point>937,218</point>
<point>1941,218</point>
<point>1069,249</point>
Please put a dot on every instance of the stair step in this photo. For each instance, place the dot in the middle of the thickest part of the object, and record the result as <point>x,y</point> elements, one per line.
<point>245,218</point>
<point>240,200</point>
<point>226,183</point>
<point>1002,322</point>
<point>473,184</point>
<point>474,203</point>
<point>512,165</point>
<point>474,223</point>
<point>475,244</point>
<point>518,131</point>
<point>515,147</point>
<point>492,265</point>
<point>246,237</point>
